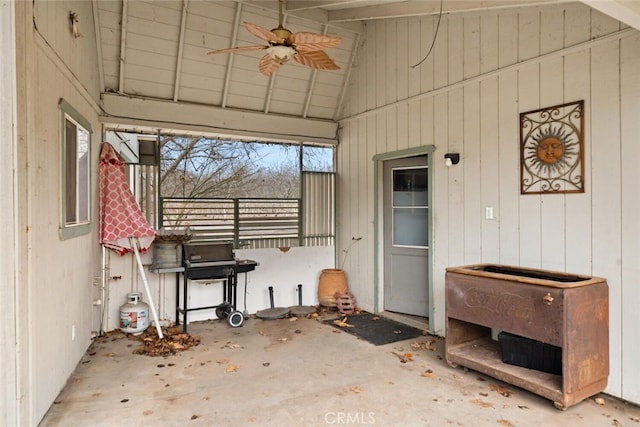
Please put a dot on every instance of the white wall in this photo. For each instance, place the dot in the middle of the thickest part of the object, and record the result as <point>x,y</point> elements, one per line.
<point>282,270</point>
<point>8,219</point>
<point>54,279</point>
<point>486,68</point>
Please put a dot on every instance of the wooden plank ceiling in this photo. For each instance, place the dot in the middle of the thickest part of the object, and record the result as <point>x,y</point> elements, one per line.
<point>157,50</point>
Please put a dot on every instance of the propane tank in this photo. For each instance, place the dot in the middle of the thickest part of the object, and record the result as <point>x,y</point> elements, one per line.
<point>134,315</point>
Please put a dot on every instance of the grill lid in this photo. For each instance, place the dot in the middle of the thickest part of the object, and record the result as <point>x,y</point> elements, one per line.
<point>208,254</point>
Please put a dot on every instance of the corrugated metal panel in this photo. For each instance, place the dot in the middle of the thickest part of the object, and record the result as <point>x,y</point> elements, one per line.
<point>318,206</point>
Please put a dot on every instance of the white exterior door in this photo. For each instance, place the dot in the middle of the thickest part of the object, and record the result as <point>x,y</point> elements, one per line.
<point>406,236</point>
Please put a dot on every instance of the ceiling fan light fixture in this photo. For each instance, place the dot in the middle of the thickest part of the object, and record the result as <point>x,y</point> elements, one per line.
<point>281,54</point>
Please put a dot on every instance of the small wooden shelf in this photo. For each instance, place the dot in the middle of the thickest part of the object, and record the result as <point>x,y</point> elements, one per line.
<point>574,318</point>
<point>483,355</point>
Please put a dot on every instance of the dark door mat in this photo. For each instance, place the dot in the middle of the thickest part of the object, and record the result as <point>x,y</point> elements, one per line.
<point>375,329</point>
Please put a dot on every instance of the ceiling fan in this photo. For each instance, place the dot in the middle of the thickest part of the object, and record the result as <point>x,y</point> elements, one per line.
<point>305,48</point>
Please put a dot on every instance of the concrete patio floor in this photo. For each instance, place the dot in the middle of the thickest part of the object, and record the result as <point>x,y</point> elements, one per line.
<point>301,372</point>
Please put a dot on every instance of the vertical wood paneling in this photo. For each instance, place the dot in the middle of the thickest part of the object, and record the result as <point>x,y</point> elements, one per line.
<point>508,34</point>
<point>528,34</point>
<point>489,170</point>
<point>552,215</point>
<point>402,61</point>
<point>577,24</point>
<point>471,141</point>
<point>605,175</point>
<point>369,63</point>
<point>471,43</point>
<point>528,99</point>
<point>365,178</point>
<point>427,34</point>
<point>391,61</point>
<point>508,165</point>
<point>576,87</point>
<point>591,233</point>
<point>402,134</point>
<point>392,130</point>
<point>414,117</point>
<point>442,209</point>
<point>441,55</point>
<point>488,35</point>
<point>471,191</point>
<point>456,177</point>
<point>380,36</point>
<point>508,135</point>
<point>455,40</point>
<point>630,111</point>
<point>413,57</point>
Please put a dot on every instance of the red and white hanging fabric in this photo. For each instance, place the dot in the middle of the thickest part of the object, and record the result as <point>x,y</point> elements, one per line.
<point>123,227</point>
<point>120,215</point>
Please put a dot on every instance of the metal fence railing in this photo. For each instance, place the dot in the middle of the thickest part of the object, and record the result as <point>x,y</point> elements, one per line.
<point>248,222</point>
<point>258,222</point>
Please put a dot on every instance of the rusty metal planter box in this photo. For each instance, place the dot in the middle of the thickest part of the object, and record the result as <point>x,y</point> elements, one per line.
<point>559,309</point>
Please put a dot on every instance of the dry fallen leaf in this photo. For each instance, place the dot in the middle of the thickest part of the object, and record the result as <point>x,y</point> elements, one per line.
<point>500,389</point>
<point>599,401</point>
<point>342,323</point>
<point>222,361</point>
<point>356,389</point>
<point>404,358</point>
<point>232,346</point>
<point>428,373</point>
<point>506,423</point>
<point>482,403</point>
<point>232,368</point>
<point>293,319</point>
<point>147,412</point>
<point>617,423</point>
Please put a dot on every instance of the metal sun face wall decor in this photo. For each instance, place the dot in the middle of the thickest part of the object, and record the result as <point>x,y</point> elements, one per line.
<point>552,149</point>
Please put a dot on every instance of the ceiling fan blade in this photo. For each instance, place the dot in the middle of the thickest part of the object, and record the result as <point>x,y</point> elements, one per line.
<point>238,49</point>
<point>313,42</point>
<point>268,65</point>
<point>316,59</point>
<point>263,33</point>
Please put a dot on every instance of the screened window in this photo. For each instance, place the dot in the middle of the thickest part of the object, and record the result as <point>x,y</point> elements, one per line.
<point>257,194</point>
<point>76,185</point>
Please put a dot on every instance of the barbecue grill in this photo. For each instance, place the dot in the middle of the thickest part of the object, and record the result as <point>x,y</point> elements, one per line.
<point>212,261</point>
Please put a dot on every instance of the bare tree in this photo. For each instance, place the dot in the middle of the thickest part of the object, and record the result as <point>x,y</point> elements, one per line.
<point>195,167</point>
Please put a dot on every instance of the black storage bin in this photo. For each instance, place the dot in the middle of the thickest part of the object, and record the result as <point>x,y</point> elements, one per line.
<point>532,354</point>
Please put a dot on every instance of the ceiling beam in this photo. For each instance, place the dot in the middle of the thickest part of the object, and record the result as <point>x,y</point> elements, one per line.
<point>176,116</point>
<point>627,11</point>
<point>411,8</point>
<point>183,26</point>
<point>123,44</point>
<point>96,28</point>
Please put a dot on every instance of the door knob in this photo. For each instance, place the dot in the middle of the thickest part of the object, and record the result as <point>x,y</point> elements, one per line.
<point>547,299</point>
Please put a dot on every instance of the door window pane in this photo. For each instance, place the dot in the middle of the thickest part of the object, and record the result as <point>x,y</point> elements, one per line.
<point>410,207</point>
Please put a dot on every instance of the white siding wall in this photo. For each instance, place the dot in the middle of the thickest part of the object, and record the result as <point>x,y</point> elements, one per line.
<point>282,270</point>
<point>485,69</point>
<point>55,277</point>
